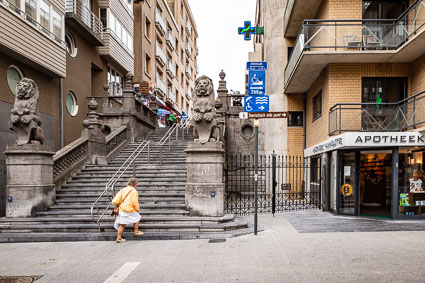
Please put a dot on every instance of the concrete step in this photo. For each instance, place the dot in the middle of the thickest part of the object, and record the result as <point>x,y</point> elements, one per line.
<point>142,180</point>
<point>105,200</point>
<point>79,212</point>
<point>141,195</point>
<point>70,206</point>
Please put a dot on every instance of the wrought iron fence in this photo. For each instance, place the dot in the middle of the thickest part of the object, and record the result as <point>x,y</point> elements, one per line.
<point>285,183</point>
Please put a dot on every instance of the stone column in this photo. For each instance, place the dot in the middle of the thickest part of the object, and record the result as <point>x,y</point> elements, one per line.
<point>30,186</point>
<point>93,131</point>
<point>205,183</point>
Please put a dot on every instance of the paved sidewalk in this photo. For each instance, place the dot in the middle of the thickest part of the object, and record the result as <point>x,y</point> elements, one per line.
<point>279,254</point>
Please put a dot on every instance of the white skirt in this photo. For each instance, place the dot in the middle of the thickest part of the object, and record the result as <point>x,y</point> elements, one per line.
<point>126,218</point>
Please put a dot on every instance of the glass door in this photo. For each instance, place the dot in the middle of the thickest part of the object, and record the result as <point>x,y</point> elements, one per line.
<point>348,183</point>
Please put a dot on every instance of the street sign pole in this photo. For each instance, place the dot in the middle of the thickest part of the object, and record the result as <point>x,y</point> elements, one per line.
<point>256,125</point>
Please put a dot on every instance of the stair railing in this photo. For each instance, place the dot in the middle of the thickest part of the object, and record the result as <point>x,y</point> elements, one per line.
<point>130,161</point>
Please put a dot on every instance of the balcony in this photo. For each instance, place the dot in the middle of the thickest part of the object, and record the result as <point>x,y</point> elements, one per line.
<point>116,51</point>
<point>171,95</point>
<point>188,72</point>
<point>28,41</point>
<point>160,85</point>
<point>171,42</point>
<point>171,69</point>
<point>82,19</point>
<point>296,12</point>
<point>322,42</point>
<point>188,28</point>
<point>188,49</point>
<point>160,23</point>
<point>160,55</point>
<point>404,115</point>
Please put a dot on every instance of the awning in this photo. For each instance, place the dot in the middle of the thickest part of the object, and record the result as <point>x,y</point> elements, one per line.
<point>161,104</point>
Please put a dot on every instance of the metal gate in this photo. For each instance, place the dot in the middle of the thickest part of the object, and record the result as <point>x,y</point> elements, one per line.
<point>285,183</point>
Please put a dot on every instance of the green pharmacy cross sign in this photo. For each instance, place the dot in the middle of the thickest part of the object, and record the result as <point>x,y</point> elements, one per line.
<point>247,30</point>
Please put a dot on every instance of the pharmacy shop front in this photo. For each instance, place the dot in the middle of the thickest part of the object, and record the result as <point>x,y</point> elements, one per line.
<point>376,174</point>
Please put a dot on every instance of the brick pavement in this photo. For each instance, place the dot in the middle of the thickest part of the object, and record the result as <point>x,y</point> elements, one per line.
<point>279,254</point>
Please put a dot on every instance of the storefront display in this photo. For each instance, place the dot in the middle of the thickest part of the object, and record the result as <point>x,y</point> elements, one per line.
<point>411,185</point>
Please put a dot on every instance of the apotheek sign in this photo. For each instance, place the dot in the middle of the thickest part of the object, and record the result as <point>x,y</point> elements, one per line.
<point>372,139</point>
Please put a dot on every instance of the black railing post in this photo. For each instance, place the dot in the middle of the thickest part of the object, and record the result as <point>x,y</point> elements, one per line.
<point>413,112</point>
<point>274,183</point>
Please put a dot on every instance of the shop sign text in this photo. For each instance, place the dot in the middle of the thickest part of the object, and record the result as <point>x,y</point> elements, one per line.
<point>383,139</point>
<point>328,146</point>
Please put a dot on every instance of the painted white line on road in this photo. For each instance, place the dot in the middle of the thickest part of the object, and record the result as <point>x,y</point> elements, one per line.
<point>122,272</point>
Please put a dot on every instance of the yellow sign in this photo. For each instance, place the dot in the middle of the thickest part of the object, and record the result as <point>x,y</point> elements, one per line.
<point>347,190</point>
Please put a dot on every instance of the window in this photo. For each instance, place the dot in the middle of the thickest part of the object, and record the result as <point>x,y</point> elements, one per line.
<point>14,75</point>
<point>124,37</point>
<point>290,52</point>
<point>104,17</point>
<point>44,14</point>
<point>30,8</point>
<point>71,104</point>
<point>317,105</point>
<point>181,32</point>
<point>295,119</point>
<point>57,24</point>
<point>112,23</point>
<point>148,28</point>
<point>118,29</point>
<point>115,82</point>
<point>148,64</point>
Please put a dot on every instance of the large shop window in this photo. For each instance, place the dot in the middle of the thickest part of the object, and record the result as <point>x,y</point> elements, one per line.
<point>14,75</point>
<point>317,106</point>
<point>411,184</point>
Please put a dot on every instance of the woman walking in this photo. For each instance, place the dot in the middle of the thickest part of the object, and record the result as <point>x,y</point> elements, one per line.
<point>128,201</point>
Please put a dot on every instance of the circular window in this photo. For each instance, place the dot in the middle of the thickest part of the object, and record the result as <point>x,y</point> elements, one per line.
<point>71,46</point>
<point>247,131</point>
<point>14,75</point>
<point>71,104</point>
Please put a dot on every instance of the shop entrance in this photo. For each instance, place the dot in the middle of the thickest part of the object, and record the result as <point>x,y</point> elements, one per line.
<point>375,183</point>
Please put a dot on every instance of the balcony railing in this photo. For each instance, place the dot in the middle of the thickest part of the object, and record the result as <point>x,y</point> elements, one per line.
<point>356,35</point>
<point>161,86</point>
<point>84,14</point>
<point>189,28</point>
<point>188,71</point>
<point>171,69</point>
<point>171,42</point>
<point>404,115</point>
<point>171,95</point>
<point>160,55</point>
<point>188,49</point>
<point>160,23</point>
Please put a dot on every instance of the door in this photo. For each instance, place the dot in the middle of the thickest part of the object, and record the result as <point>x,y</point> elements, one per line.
<point>347,191</point>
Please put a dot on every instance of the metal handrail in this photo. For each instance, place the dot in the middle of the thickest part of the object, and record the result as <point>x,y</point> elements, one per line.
<point>114,179</point>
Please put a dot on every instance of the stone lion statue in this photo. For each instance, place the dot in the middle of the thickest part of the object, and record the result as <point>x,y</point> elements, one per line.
<point>25,118</point>
<point>204,116</point>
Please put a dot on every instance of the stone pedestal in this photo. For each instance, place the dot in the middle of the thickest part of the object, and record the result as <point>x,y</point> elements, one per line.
<point>30,186</point>
<point>204,194</point>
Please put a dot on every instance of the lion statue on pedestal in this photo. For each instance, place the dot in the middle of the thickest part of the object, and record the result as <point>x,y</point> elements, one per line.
<point>204,116</point>
<point>25,119</point>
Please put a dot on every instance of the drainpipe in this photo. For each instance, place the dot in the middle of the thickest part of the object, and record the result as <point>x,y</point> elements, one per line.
<point>304,120</point>
<point>61,127</point>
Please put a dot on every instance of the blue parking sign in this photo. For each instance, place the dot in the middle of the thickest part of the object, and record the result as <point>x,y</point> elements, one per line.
<point>256,103</point>
<point>256,82</point>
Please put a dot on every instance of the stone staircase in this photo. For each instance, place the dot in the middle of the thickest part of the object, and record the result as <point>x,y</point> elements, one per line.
<point>161,196</point>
